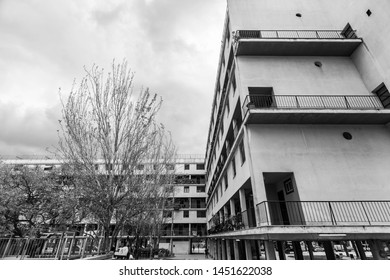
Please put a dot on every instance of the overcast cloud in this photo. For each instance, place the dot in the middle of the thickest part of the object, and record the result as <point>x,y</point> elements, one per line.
<point>171,45</point>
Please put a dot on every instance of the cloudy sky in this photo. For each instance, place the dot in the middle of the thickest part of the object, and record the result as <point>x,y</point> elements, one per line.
<point>171,45</point>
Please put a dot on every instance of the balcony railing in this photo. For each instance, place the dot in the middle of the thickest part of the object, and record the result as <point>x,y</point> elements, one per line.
<point>296,42</point>
<point>293,34</point>
<point>228,224</point>
<point>344,102</point>
<point>324,213</point>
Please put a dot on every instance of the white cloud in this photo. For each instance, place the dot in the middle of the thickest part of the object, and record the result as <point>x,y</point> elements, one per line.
<point>172,45</point>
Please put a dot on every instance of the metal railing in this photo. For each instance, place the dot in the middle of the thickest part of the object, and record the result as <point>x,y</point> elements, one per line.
<point>293,34</point>
<point>67,247</point>
<point>324,213</point>
<point>345,102</point>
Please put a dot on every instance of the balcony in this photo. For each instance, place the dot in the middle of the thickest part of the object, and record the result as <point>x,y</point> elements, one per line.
<point>324,213</point>
<point>315,109</point>
<point>296,42</point>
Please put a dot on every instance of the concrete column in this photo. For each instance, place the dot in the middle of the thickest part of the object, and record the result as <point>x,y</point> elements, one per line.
<point>232,207</point>
<point>279,245</point>
<point>359,248</point>
<point>328,246</point>
<point>225,212</point>
<point>297,250</point>
<point>248,250</point>
<point>228,250</point>
<point>244,212</point>
<point>377,250</point>
<point>223,246</point>
<point>269,250</point>
<point>219,249</point>
<point>310,249</point>
<point>236,250</point>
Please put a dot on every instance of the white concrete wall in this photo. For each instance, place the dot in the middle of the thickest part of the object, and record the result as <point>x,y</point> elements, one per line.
<point>299,75</point>
<point>325,165</point>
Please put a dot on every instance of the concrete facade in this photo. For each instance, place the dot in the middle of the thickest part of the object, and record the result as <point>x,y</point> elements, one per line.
<point>299,133</point>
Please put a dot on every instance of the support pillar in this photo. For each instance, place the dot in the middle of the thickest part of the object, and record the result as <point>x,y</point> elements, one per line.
<point>223,246</point>
<point>248,250</point>
<point>228,250</point>
<point>244,212</point>
<point>232,207</point>
<point>360,249</point>
<point>236,250</point>
<point>329,252</point>
<point>219,249</point>
<point>258,243</point>
<point>279,245</point>
<point>269,250</point>
<point>297,250</point>
<point>310,249</point>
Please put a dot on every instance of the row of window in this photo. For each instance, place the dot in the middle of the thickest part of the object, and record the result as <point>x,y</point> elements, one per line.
<point>199,189</point>
<point>199,166</point>
<point>186,214</point>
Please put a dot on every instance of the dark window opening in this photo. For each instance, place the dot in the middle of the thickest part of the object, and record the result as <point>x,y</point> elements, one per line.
<point>383,93</point>
<point>348,32</point>
<point>186,189</point>
<point>369,13</point>
<point>201,214</point>
<point>234,165</point>
<point>186,214</point>
<point>298,15</point>
<point>200,189</point>
<point>200,166</point>
<point>186,167</point>
<point>261,97</point>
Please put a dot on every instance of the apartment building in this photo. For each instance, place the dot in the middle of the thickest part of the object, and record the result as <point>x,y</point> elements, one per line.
<point>299,136</point>
<point>184,225</point>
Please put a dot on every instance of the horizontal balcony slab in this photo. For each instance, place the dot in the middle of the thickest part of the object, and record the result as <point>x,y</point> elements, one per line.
<point>296,47</point>
<point>299,233</point>
<point>317,116</point>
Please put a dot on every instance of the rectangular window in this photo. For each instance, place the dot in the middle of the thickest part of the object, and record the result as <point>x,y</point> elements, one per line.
<point>140,167</point>
<point>383,94</point>
<point>96,167</point>
<point>186,214</point>
<point>186,189</point>
<point>167,214</point>
<point>200,166</point>
<point>234,166</point>
<point>200,189</point>
<point>201,214</point>
<point>242,152</point>
<point>186,167</point>
<point>226,181</point>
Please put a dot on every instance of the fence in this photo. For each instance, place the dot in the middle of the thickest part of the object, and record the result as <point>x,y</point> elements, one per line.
<point>346,102</point>
<point>294,34</point>
<point>66,247</point>
<point>333,213</point>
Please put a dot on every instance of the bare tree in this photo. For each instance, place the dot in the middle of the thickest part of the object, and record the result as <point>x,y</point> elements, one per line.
<point>107,134</point>
<point>34,200</point>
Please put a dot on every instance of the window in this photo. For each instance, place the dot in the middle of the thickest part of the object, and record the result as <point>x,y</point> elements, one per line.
<point>348,32</point>
<point>140,167</point>
<point>186,214</point>
<point>227,106</point>
<point>186,189</point>
<point>242,152</point>
<point>109,166</point>
<point>96,167</point>
<point>201,214</point>
<point>200,166</point>
<point>234,166</point>
<point>186,167</point>
<point>383,94</point>
<point>261,97</point>
<point>154,166</point>
<point>200,189</point>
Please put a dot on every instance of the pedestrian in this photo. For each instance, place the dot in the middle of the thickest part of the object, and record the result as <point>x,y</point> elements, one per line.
<point>206,253</point>
<point>193,248</point>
